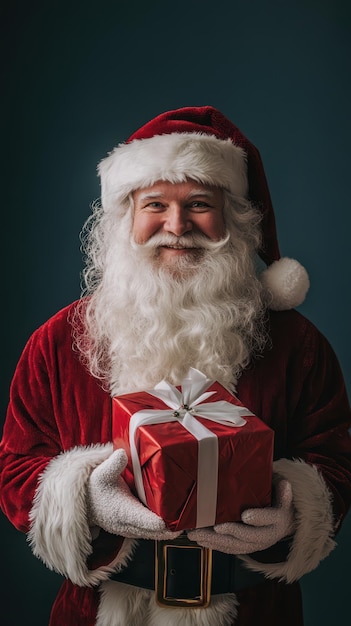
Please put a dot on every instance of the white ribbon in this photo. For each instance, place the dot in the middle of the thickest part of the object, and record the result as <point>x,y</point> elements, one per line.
<point>186,405</point>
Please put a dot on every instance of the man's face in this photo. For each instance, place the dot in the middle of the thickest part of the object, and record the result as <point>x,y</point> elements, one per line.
<point>179,210</point>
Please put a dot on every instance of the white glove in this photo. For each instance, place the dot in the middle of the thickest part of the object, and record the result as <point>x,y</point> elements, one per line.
<point>112,506</point>
<point>261,528</point>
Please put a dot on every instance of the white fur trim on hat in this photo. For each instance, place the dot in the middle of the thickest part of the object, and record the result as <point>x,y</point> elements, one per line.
<point>59,533</point>
<point>286,283</point>
<point>312,540</point>
<point>173,157</point>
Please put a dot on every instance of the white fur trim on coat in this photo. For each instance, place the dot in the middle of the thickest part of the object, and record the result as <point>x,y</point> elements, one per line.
<point>59,533</point>
<point>312,540</point>
<point>173,157</point>
<point>122,604</point>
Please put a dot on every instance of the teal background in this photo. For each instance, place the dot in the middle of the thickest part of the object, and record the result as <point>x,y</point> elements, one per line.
<point>78,77</point>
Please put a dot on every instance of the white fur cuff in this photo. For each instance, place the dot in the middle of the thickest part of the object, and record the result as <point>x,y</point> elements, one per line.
<point>312,541</point>
<point>59,533</point>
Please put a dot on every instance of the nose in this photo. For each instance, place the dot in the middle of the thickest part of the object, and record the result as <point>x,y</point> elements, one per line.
<point>177,221</point>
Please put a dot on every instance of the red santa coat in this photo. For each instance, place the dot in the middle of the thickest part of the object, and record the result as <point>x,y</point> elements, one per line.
<point>58,428</point>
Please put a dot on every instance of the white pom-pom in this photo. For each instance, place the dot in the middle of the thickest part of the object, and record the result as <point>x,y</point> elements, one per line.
<point>286,283</point>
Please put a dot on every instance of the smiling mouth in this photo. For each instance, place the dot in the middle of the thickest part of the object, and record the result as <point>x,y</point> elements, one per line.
<point>180,247</point>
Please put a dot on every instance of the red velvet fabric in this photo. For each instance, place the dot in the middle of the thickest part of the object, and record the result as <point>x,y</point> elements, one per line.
<point>75,606</point>
<point>297,389</point>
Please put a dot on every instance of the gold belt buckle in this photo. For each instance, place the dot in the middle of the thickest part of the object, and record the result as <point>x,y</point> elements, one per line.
<point>202,598</point>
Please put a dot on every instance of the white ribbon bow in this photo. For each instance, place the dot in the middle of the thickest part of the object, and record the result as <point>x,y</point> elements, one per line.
<point>185,406</point>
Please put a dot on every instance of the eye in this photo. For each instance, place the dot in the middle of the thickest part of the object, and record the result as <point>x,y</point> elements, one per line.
<point>154,206</point>
<point>199,205</point>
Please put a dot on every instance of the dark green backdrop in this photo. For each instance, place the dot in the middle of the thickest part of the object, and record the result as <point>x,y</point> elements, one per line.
<point>79,77</point>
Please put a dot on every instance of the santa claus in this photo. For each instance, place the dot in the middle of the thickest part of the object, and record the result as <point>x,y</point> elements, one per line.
<point>173,280</point>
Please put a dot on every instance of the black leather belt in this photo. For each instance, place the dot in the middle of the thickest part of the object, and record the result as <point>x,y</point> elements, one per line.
<point>184,574</point>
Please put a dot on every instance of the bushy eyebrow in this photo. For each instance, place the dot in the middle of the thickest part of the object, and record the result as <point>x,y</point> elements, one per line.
<point>150,196</point>
<point>158,194</point>
<point>200,192</point>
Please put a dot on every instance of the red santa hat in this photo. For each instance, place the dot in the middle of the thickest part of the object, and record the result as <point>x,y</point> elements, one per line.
<point>200,143</point>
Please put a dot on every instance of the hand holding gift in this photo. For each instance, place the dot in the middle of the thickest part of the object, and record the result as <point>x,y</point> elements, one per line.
<point>196,456</point>
<point>112,506</point>
<point>261,528</point>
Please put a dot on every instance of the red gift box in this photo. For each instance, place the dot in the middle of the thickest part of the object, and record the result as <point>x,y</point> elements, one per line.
<point>235,471</point>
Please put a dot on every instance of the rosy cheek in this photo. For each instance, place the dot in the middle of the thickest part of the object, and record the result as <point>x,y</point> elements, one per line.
<point>213,227</point>
<point>220,227</point>
<point>144,226</point>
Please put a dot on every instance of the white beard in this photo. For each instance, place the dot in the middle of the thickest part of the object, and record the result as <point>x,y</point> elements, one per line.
<point>147,322</point>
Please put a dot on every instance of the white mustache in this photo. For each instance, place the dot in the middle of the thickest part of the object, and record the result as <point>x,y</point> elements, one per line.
<point>192,240</point>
